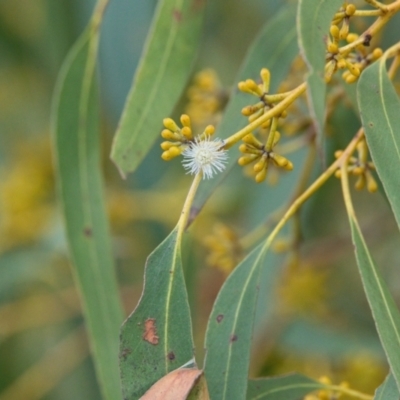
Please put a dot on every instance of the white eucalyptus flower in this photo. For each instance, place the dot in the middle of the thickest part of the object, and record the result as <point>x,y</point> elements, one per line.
<point>206,156</point>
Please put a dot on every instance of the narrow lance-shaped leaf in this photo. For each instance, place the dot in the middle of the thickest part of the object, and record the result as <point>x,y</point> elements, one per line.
<point>384,310</point>
<point>157,336</point>
<point>275,48</point>
<point>76,147</point>
<point>379,107</point>
<point>313,23</point>
<point>388,390</point>
<point>230,328</point>
<point>161,76</point>
<point>289,387</point>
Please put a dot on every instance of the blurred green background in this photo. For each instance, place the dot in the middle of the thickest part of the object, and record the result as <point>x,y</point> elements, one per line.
<point>314,317</point>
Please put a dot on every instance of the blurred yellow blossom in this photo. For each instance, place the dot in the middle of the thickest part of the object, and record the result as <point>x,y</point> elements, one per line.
<point>26,193</point>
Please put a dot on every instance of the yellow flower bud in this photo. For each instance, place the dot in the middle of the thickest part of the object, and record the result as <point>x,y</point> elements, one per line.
<point>277,137</point>
<point>360,184</point>
<point>338,173</point>
<point>168,135</point>
<point>167,145</point>
<point>333,48</point>
<point>351,78</point>
<point>260,165</point>
<point>170,124</point>
<point>187,132</point>
<point>260,177</point>
<point>281,161</point>
<point>266,77</point>
<point>330,68</point>
<point>251,139</point>
<point>210,129</point>
<point>372,186</point>
<point>341,63</point>
<point>185,120</point>
<point>353,69</point>
<point>357,171</point>
<point>351,37</point>
<point>377,53</point>
<point>253,87</point>
<point>334,30</point>
<point>350,10</point>
<point>174,151</point>
<point>247,159</point>
<point>166,156</point>
<point>243,87</point>
<point>344,30</point>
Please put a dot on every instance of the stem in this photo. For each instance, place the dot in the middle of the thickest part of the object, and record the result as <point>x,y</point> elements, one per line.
<point>315,186</point>
<point>392,51</point>
<point>367,13</point>
<point>273,112</point>
<point>183,219</point>
<point>345,188</point>
<point>271,136</point>
<point>350,392</point>
<point>259,232</point>
<point>392,9</point>
<point>394,67</point>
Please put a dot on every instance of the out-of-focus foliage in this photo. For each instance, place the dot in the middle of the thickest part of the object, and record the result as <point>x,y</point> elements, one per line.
<point>314,318</point>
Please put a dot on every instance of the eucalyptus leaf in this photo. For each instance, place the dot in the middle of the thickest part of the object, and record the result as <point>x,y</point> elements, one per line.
<point>157,336</point>
<point>230,329</point>
<point>161,76</point>
<point>384,310</point>
<point>289,387</point>
<point>76,148</point>
<point>388,390</point>
<point>379,107</point>
<point>313,22</point>
<point>275,48</point>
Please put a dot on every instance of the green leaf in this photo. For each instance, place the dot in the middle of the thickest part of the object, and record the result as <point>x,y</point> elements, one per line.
<point>157,336</point>
<point>313,22</point>
<point>161,76</point>
<point>290,387</point>
<point>379,108</point>
<point>230,328</point>
<point>388,390</point>
<point>275,48</point>
<point>384,310</point>
<point>76,147</point>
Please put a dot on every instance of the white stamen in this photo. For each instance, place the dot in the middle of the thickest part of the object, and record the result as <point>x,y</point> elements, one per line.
<point>206,156</point>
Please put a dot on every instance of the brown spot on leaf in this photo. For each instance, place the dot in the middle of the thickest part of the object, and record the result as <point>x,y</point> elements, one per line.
<point>171,356</point>
<point>370,124</point>
<point>87,231</point>
<point>233,338</point>
<point>220,317</point>
<point>150,331</point>
<point>177,15</point>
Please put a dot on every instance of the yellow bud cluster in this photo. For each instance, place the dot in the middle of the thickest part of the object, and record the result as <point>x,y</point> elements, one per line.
<point>342,18</point>
<point>255,151</point>
<point>224,248</point>
<point>356,62</point>
<point>266,101</point>
<point>177,138</point>
<point>361,168</point>
<point>206,98</point>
